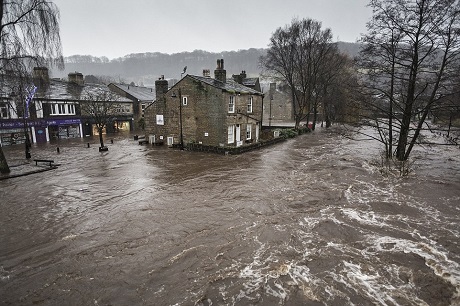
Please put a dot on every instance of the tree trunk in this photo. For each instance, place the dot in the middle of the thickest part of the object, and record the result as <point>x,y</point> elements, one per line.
<point>407,115</point>
<point>3,163</point>
<point>315,117</point>
<point>101,140</point>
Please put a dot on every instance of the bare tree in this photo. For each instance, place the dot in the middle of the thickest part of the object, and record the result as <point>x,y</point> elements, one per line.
<point>297,54</point>
<point>101,106</point>
<point>334,86</point>
<point>410,55</point>
<point>29,36</point>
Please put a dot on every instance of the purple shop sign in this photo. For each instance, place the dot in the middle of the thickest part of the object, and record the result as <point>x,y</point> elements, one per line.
<point>19,123</point>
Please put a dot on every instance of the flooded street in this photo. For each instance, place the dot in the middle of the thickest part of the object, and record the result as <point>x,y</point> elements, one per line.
<point>310,221</point>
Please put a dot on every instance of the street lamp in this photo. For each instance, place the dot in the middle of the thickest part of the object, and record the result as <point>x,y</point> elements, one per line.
<point>181,145</point>
<point>30,96</point>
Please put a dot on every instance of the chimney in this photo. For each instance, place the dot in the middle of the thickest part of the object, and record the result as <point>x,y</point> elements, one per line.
<point>41,78</point>
<point>161,87</point>
<point>239,78</point>
<point>220,73</point>
<point>206,73</point>
<point>76,77</point>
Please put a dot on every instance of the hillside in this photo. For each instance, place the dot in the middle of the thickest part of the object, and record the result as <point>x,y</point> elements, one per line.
<point>145,68</point>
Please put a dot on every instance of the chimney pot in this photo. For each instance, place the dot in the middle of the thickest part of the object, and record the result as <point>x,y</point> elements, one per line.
<point>220,74</point>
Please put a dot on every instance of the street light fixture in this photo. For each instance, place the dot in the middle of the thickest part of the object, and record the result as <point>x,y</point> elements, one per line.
<point>181,144</point>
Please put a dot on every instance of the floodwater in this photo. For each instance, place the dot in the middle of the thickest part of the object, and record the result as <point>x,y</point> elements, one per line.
<point>310,221</point>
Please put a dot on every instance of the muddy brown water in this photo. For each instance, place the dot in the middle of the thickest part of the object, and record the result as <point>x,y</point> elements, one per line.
<point>310,221</point>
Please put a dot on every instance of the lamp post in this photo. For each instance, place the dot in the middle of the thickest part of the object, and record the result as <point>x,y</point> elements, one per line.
<point>30,96</point>
<point>27,140</point>
<point>270,112</point>
<point>181,144</point>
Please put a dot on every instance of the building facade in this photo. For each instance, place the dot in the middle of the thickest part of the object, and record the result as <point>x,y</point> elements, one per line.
<point>140,96</point>
<point>203,110</point>
<point>54,110</point>
<point>278,107</point>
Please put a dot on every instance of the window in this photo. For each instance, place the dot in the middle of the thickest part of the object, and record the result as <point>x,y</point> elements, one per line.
<point>160,120</point>
<point>249,131</point>
<point>184,101</point>
<point>143,110</point>
<point>250,105</point>
<point>62,109</point>
<point>231,104</point>
<point>231,134</point>
<point>4,111</point>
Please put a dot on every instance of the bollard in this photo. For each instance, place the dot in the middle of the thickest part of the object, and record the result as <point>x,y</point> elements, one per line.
<point>57,149</point>
<point>111,140</point>
<point>88,144</point>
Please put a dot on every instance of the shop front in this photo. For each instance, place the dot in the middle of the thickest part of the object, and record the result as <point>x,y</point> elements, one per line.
<point>13,131</point>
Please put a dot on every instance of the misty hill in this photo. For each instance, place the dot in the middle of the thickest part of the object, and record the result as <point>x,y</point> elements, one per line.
<point>145,68</point>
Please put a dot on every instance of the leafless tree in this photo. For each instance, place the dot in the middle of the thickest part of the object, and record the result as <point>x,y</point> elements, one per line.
<point>101,106</point>
<point>411,52</point>
<point>29,36</point>
<point>297,55</point>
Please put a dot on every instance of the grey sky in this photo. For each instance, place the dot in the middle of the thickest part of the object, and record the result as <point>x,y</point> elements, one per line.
<point>115,28</point>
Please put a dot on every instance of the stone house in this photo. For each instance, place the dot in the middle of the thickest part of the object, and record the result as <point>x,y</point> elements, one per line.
<point>140,96</point>
<point>215,111</point>
<point>278,107</point>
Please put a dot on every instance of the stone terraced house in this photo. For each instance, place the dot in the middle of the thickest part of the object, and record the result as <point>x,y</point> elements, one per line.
<point>201,110</point>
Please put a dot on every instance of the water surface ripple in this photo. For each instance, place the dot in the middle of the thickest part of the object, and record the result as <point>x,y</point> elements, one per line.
<point>310,221</point>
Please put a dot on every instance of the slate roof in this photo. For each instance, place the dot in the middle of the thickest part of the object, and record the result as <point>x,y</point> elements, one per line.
<point>138,92</point>
<point>250,82</point>
<point>229,86</point>
<point>61,90</point>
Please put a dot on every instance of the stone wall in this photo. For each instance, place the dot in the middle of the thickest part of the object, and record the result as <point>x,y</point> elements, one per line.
<point>278,103</point>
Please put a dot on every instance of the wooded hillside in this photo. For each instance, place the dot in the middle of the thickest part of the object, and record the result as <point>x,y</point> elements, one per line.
<point>145,68</point>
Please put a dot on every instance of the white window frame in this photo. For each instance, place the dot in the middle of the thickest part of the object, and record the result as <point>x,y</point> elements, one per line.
<point>143,110</point>
<point>248,131</point>
<point>231,104</point>
<point>231,134</point>
<point>62,109</point>
<point>160,120</point>
<point>184,100</point>
<point>250,103</point>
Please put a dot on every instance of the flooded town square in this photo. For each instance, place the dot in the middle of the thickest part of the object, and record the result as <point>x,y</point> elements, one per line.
<point>309,221</point>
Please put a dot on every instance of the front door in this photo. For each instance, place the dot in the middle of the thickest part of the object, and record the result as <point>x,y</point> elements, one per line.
<point>238,135</point>
<point>170,141</point>
<point>40,134</point>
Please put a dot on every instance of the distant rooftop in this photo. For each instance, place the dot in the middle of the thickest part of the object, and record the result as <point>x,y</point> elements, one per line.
<point>139,92</point>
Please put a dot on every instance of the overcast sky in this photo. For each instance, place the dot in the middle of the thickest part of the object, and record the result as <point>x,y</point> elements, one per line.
<point>115,28</point>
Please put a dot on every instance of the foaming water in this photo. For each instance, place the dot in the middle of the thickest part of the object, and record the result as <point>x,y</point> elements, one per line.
<point>308,221</point>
